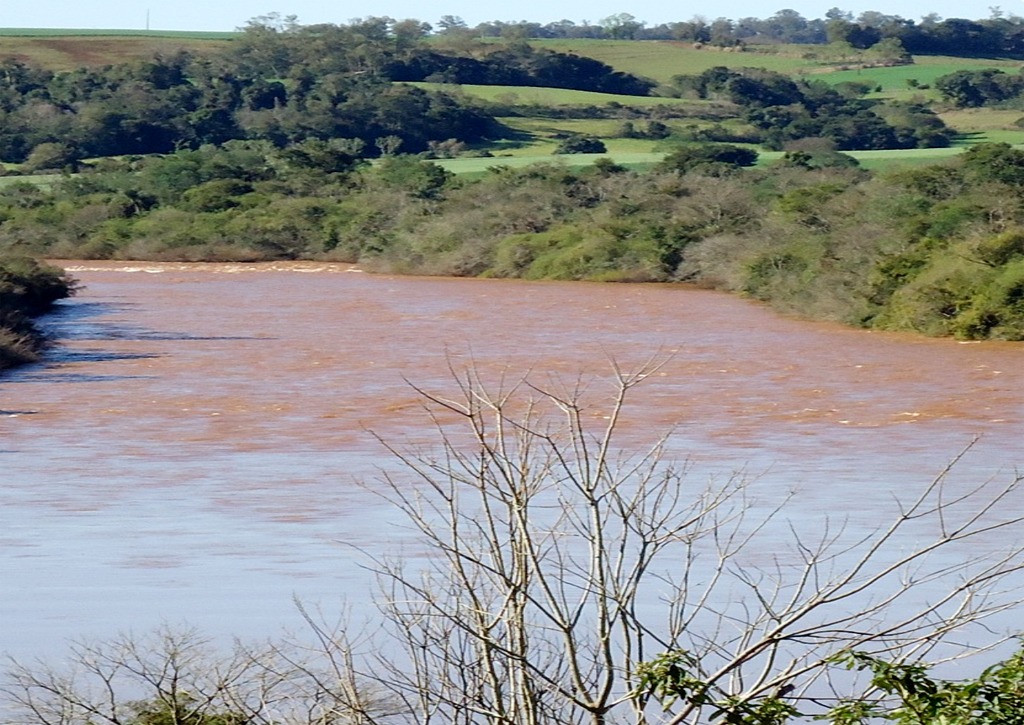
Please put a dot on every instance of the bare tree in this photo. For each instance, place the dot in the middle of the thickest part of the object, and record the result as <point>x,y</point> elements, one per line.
<point>177,677</point>
<point>563,583</point>
<point>128,679</point>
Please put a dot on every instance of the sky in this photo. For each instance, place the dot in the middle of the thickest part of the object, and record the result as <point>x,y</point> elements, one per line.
<point>232,14</point>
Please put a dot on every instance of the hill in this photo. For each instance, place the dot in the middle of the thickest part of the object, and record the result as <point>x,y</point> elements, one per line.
<point>65,50</point>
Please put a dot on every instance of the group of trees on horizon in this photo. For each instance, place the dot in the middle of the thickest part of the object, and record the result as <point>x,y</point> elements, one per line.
<point>999,35</point>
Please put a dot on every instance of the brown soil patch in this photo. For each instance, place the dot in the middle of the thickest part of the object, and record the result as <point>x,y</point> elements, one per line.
<point>69,53</point>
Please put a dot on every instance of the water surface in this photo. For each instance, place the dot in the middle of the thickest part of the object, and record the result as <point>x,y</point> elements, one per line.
<point>191,450</point>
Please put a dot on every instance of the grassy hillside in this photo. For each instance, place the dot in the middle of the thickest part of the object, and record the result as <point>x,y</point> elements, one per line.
<point>639,160</point>
<point>660,60</point>
<point>61,50</point>
<point>526,95</point>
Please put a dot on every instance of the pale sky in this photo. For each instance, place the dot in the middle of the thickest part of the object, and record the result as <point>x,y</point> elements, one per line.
<point>231,14</point>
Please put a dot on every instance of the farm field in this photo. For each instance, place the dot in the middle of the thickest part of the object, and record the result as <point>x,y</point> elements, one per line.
<point>526,95</point>
<point>896,81</point>
<point>660,60</point>
<point>639,160</point>
<point>68,50</point>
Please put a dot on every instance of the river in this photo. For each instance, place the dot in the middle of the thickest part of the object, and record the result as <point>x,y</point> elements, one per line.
<point>190,451</point>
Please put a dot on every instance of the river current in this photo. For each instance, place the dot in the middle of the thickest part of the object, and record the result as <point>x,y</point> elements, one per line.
<point>197,448</point>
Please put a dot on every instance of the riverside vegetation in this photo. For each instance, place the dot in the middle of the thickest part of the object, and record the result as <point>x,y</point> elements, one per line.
<point>27,289</point>
<point>936,249</point>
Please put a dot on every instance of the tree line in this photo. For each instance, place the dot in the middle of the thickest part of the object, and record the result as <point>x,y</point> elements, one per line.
<point>1000,35</point>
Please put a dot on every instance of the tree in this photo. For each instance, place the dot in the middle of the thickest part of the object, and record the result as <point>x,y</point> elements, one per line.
<point>176,677</point>
<point>908,694</point>
<point>688,158</point>
<point>998,162</point>
<point>452,25</point>
<point>560,569</point>
<point>621,26</point>
<point>580,144</point>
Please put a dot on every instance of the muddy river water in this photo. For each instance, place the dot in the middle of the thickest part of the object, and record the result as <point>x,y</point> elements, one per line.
<point>190,451</point>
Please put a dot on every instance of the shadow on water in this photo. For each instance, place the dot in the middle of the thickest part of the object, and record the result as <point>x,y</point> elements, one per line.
<point>74,320</point>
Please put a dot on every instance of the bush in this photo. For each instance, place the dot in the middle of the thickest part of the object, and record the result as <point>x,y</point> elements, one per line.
<point>688,158</point>
<point>581,145</point>
<point>27,288</point>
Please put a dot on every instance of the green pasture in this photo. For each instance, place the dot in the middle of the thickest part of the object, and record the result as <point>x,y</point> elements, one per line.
<point>533,136</point>
<point>34,179</point>
<point>642,160</point>
<point>530,95</point>
<point>478,166</point>
<point>925,69</point>
<point>660,60</point>
<point>986,124</point>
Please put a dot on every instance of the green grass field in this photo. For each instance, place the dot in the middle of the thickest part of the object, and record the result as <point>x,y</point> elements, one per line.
<point>640,160</point>
<point>35,179</point>
<point>660,60</point>
<point>531,95</point>
<point>894,81</point>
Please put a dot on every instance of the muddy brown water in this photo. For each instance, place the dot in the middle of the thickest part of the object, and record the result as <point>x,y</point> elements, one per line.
<point>189,452</point>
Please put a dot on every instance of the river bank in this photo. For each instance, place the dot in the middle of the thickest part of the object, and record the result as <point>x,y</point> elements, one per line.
<point>27,289</point>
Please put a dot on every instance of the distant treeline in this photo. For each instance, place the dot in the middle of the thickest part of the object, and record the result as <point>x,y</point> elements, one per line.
<point>27,289</point>
<point>937,249</point>
<point>1000,35</point>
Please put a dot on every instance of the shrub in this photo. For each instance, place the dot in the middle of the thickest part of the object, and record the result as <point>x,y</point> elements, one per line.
<point>688,158</point>
<point>580,144</point>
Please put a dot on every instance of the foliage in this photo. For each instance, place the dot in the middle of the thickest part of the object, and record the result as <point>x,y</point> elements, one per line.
<point>975,88</point>
<point>909,694</point>
<point>27,289</point>
<point>180,101</point>
<point>784,110</point>
<point>695,156</point>
<point>579,144</point>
